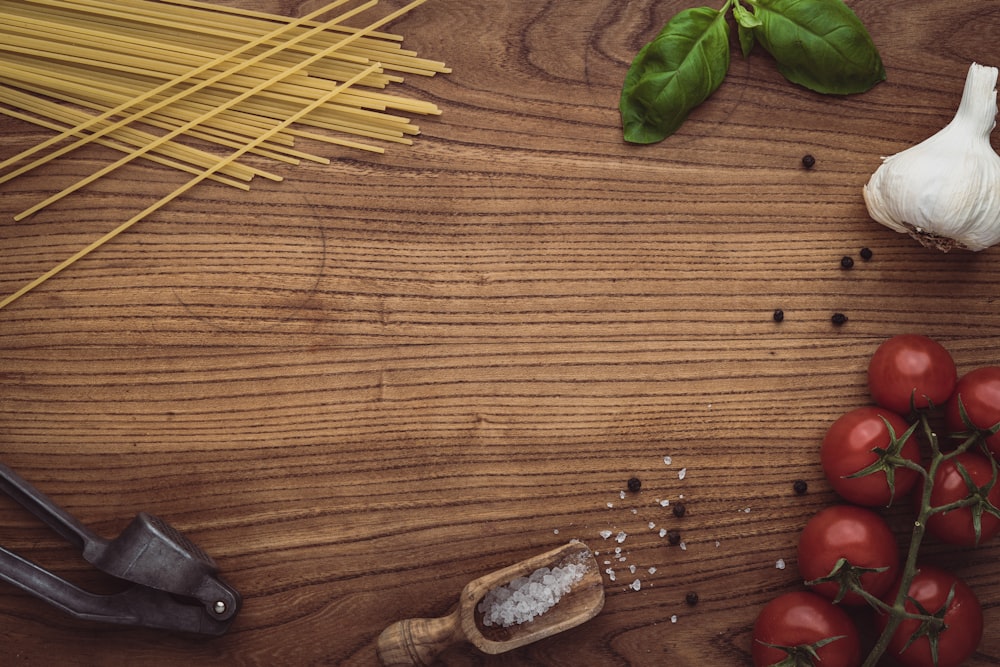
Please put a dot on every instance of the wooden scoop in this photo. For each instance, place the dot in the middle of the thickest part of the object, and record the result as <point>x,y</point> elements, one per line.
<point>417,641</point>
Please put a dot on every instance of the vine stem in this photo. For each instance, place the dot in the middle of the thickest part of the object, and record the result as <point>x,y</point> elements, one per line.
<point>897,611</point>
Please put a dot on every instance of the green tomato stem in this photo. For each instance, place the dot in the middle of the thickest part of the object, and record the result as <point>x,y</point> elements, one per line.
<point>897,611</point>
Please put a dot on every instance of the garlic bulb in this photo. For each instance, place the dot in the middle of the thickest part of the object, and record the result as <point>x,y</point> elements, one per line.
<point>945,191</point>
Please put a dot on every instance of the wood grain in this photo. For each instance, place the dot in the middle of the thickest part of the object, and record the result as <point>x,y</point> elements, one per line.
<point>363,387</point>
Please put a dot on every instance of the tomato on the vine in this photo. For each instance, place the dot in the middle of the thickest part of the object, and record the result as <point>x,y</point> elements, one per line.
<point>850,446</point>
<point>910,367</point>
<point>862,539</point>
<point>955,635</point>
<point>793,624</point>
<point>958,526</point>
<point>979,390</point>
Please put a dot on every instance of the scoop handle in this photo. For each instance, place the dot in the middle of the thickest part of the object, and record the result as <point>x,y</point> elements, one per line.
<point>418,641</point>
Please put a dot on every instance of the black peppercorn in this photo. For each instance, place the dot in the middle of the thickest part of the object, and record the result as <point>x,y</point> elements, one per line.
<point>866,254</point>
<point>634,484</point>
<point>691,598</point>
<point>808,161</point>
<point>846,262</point>
<point>800,486</point>
<point>674,537</point>
<point>679,510</point>
<point>838,318</point>
<point>779,315</point>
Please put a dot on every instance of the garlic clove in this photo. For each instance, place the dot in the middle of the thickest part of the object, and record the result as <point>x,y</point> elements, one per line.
<point>945,191</point>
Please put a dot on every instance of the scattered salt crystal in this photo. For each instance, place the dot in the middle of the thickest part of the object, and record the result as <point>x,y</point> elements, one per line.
<point>611,574</point>
<point>610,504</point>
<point>664,503</point>
<point>636,585</point>
<point>635,511</point>
<point>631,568</point>
<point>682,473</point>
<point>618,551</point>
<point>652,525</point>
<point>663,532</point>
<point>652,570</point>
<point>621,494</point>
<point>683,545</point>
<point>780,564</point>
<point>622,559</point>
<point>746,510</point>
<point>606,534</point>
<point>524,598</point>
<point>667,460</point>
<point>673,619</point>
<point>717,544</point>
<point>620,537</point>
<point>555,531</point>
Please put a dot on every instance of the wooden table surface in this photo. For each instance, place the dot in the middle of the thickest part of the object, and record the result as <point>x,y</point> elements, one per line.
<point>365,386</point>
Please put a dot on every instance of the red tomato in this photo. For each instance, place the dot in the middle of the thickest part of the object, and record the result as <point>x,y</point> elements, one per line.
<point>799,619</point>
<point>963,621</point>
<point>980,392</point>
<point>909,365</point>
<point>857,534</point>
<point>848,448</point>
<point>956,526</point>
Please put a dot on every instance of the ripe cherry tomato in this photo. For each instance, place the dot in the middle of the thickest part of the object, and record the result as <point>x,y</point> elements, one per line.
<point>956,526</point>
<point>856,534</point>
<point>963,621</point>
<point>980,392</point>
<point>911,365</point>
<point>848,448</point>
<point>798,619</point>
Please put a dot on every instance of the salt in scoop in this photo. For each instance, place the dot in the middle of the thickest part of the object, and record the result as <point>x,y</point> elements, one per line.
<point>417,641</point>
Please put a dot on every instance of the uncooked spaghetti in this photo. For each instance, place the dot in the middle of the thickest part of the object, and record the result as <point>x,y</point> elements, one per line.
<point>146,78</point>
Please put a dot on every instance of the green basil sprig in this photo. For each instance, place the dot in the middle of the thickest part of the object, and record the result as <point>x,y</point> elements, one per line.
<point>818,44</point>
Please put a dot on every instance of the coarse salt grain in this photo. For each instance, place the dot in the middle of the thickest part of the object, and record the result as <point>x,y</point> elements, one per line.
<point>673,619</point>
<point>636,585</point>
<point>606,534</point>
<point>652,525</point>
<point>524,598</point>
<point>620,537</point>
<point>682,473</point>
<point>631,568</point>
<point>664,503</point>
<point>663,532</point>
<point>780,564</point>
<point>683,545</point>
<point>652,569</point>
<point>667,460</point>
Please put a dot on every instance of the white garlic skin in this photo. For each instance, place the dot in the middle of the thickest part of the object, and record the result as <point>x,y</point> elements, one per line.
<point>945,191</point>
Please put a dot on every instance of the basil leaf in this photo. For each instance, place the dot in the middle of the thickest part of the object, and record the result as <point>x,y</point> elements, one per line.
<point>745,23</point>
<point>671,75</point>
<point>819,44</point>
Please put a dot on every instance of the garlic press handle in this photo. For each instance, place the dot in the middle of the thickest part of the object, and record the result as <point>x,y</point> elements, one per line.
<point>48,511</point>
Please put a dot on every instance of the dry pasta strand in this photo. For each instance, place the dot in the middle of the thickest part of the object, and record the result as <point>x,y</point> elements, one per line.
<point>228,79</point>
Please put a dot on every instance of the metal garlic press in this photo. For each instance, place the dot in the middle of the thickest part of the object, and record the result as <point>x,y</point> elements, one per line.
<point>173,583</point>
